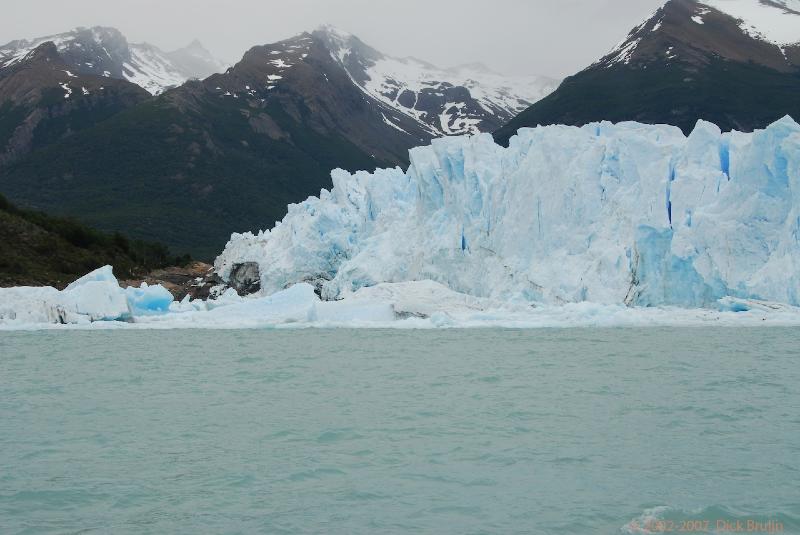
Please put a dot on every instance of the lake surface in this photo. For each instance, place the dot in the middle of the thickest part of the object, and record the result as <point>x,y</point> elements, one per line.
<point>582,431</point>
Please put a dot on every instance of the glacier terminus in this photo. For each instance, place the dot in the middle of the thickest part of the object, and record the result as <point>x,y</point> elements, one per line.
<point>627,214</point>
<point>603,224</point>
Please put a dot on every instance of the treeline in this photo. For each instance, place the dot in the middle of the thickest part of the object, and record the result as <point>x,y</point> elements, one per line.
<point>37,248</point>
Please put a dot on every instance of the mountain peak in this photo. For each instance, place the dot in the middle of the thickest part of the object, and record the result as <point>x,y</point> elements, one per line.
<point>693,31</point>
<point>342,44</point>
<point>333,31</point>
<point>104,51</point>
<point>195,61</point>
<point>195,45</point>
<point>46,51</point>
<point>716,60</point>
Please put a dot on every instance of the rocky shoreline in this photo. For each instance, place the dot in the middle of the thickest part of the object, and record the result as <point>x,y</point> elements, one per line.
<point>195,280</point>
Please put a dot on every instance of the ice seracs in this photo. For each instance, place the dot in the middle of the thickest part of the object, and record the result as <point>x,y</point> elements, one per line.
<point>626,214</point>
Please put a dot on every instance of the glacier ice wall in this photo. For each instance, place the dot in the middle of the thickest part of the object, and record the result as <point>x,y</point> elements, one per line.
<point>626,213</point>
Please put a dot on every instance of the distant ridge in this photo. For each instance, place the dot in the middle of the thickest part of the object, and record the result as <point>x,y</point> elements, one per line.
<point>106,52</point>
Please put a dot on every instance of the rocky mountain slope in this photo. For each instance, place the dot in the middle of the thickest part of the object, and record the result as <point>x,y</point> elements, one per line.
<point>225,154</point>
<point>732,62</point>
<point>106,52</point>
<point>463,100</point>
<point>42,101</point>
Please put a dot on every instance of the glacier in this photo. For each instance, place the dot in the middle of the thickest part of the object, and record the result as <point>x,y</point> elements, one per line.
<point>618,214</point>
<point>604,225</point>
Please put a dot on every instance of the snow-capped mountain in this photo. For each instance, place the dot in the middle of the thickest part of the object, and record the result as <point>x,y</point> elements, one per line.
<point>106,52</point>
<point>766,32</point>
<point>298,72</point>
<point>43,100</point>
<point>219,155</point>
<point>464,100</point>
<point>618,214</point>
<point>732,62</point>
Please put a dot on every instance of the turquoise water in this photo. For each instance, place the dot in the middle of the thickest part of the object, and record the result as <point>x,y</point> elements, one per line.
<point>338,431</point>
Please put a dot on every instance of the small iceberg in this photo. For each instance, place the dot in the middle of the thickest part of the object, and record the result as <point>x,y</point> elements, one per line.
<point>95,297</point>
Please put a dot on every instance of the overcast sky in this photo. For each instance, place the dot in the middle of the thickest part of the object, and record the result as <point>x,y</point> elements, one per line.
<point>551,37</point>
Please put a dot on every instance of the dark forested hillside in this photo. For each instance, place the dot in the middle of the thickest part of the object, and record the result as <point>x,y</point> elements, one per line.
<point>37,249</point>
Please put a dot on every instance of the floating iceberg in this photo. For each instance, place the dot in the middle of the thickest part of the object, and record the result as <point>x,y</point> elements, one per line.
<point>148,300</point>
<point>92,298</point>
<point>96,301</point>
<point>626,214</point>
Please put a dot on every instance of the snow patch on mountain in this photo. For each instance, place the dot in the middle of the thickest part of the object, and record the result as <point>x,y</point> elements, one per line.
<point>425,92</point>
<point>106,52</point>
<point>151,69</point>
<point>623,51</point>
<point>17,51</point>
<point>625,214</point>
<point>67,90</point>
<point>776,21</point>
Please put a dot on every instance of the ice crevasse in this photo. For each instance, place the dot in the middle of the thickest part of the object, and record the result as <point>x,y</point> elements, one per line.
<point>609,213</point>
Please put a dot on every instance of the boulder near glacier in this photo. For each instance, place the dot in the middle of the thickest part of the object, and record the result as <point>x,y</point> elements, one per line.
<point>626,214</point>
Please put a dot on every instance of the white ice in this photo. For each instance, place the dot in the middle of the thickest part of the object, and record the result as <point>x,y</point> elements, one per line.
<point>94,297</point>
<point>409,305</point>
<point>604,225</point>
<point>625,214</point>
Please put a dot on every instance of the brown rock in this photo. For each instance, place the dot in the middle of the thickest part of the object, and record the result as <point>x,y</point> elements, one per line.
<point>194,280</point>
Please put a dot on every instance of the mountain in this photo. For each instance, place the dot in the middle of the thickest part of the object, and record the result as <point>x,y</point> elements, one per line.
<point>192,165</point>
<point>194,61</point>
<point>463,100</point>
<point>732,62</point>
<point>212,157</point>
<point>106,52</point>
<point>42,101</point>
<point>619,214</point>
